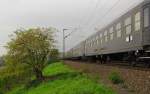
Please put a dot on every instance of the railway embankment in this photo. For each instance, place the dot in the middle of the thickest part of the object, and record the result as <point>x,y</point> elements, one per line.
<point>136,80</point>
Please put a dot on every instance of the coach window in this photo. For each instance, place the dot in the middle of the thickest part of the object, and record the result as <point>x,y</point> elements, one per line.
<point>146,17</point>
<point>97,39</point>
<point>86,43</point>
<point>118,29</point>
<point>105,36</point>
<point>100,38</point>
<point>89,44</point>
<point>111,33</point>
<point>137,21</point>
<point>128,26</point>
<point>129,38</point>
<point>92,42</point>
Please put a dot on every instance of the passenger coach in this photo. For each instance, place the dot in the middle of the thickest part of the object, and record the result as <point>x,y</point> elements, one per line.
<point>128,37</point>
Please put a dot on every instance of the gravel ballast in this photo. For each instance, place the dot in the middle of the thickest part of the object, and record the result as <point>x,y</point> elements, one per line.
<point>136,81</point>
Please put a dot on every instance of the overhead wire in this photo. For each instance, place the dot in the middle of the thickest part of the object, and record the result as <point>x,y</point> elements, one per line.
<point>81,19</point>
<point>96,6</point>
<point>84,16</point>
<point>107,12</point>
<point>130,7</point>
<point>93,12</point>
<point>96,12</point>
<point>91,15</point>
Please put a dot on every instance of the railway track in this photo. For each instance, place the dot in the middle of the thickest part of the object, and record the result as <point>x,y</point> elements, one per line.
<point>120,64</point>
<point>128,66</point>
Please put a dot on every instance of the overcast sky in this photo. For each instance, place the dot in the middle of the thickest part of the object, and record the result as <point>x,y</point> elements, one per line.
<point>81,16</point>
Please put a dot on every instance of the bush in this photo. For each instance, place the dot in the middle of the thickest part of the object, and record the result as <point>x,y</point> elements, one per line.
<point>115,77</point>
<point>10,79</point>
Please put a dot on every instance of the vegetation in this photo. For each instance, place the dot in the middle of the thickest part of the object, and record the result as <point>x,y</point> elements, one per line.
<point>30,69</point>
<point>115,77</point>
<point>31,48</point>
<point>28,54</point>
<point>66,81</point>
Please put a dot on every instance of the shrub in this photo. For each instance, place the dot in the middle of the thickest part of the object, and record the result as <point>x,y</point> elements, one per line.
<point>10,78</point>
<point>115,77</point>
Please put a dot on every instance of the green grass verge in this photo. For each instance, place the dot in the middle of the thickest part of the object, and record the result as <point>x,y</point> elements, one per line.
<point>56,68</point>
<point>67,82</point>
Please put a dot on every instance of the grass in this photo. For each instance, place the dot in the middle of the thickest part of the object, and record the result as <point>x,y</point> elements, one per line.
<point>56,68</point>
<point>68,81</point>
<point>115,77</point>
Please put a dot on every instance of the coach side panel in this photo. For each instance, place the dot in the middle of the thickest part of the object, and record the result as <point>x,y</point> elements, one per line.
<point>124,34</point>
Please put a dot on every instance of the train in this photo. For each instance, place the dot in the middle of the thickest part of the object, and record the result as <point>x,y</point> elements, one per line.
<point>126,38</point>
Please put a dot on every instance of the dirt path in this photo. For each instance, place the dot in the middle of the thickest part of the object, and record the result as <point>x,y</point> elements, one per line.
<point>136,81</point>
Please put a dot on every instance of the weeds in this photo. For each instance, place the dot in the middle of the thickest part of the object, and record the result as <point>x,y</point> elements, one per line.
<point>115,77</point>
